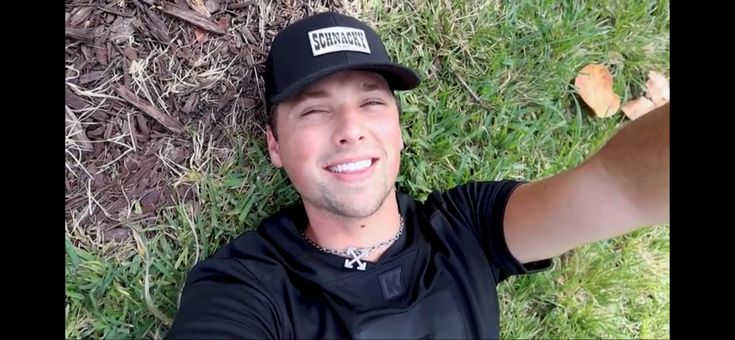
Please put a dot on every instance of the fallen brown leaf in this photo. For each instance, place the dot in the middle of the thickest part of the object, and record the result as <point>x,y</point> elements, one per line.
<point>637,107</point>
<point>658,88</point>
<point>595,86</point>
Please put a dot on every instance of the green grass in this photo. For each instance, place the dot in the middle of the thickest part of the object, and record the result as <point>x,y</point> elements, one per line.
<point>520,58</point>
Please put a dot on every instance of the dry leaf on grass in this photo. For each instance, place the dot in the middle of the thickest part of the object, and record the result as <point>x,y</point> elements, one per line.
<point>595,86</point>
<point>638,107</point>
<point>658,91</point>
<point>658,88</point>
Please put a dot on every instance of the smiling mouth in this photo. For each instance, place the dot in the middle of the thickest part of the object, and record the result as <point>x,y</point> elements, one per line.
<point>352,167</point>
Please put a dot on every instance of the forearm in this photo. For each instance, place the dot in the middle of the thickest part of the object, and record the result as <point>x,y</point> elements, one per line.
<point>622,187</point>
<point>635,161</point>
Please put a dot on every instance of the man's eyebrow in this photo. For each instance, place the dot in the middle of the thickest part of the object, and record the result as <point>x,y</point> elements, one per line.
<point>367,87</point>
<point>313,94</point>
<point>309,94</point>
<point>321,93</point>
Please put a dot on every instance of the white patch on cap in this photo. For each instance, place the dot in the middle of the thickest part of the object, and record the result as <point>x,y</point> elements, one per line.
<point>336,39</point>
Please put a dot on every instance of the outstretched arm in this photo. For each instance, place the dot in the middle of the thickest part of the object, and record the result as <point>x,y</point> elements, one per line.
<point>622,187</point>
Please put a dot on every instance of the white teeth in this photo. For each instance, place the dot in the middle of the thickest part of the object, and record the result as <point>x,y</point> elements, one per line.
<point>354,166</point>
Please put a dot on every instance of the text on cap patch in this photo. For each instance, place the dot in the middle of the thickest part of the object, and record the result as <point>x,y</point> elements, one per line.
<point>338,38</point>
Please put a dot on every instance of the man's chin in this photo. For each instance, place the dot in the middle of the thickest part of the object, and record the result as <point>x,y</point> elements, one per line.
<point>355,208</point>
<point>354,205</point>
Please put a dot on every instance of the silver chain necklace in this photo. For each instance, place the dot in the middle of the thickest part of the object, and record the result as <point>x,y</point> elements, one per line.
<point>356,254</point>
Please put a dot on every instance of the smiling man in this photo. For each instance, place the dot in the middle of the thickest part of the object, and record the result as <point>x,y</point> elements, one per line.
<point>343,165</point>
<point>355,258</point>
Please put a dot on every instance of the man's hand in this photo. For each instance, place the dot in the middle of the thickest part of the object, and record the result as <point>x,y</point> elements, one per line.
<point>622,187</point>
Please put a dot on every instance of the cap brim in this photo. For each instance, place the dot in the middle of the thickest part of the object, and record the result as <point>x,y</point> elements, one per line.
<point>399,78</point>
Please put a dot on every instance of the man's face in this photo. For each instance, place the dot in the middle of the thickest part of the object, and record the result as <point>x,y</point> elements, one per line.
<point>339,141</point>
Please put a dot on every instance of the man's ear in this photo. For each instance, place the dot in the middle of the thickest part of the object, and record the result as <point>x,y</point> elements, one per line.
<point>273,148</point>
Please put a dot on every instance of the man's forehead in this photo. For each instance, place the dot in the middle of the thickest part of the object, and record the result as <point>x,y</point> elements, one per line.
<point>365,80</point>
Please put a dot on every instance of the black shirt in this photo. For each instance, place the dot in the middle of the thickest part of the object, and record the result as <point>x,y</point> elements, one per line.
<point>438,280</point>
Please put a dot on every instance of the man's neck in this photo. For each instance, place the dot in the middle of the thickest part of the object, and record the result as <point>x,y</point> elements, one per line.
<point>337,232</point>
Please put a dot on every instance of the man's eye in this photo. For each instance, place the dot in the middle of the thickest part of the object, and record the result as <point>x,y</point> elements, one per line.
<point>374,102</point>
<point>308,112</point>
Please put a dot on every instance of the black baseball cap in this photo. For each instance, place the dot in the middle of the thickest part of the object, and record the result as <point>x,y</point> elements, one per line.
<point>323,44</point>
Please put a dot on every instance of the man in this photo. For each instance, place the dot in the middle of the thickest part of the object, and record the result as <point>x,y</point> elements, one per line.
<point>357,259</point>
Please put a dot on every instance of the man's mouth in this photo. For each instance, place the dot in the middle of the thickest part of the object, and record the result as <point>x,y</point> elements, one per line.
<point>352,166</point>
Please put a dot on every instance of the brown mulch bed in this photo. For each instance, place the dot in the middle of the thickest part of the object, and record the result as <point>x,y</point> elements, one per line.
<point>150,85</point>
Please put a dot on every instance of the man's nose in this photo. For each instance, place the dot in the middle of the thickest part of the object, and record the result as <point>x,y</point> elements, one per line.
<point>349,128</point>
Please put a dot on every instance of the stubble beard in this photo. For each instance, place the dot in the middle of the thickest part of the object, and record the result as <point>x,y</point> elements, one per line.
<point>344,203</point>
